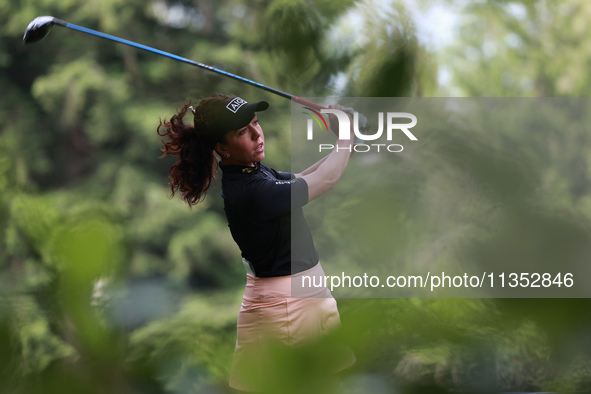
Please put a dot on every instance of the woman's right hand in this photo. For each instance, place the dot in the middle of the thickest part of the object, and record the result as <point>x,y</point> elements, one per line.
<point>334,122</point>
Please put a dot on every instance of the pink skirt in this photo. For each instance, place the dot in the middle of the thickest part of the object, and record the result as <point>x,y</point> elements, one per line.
<point>270,320</point>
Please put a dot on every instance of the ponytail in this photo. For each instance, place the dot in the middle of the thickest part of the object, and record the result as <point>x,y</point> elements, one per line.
<point>195,169</point>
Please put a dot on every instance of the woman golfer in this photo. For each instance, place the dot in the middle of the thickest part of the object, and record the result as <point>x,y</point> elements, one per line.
<point>264,212</point>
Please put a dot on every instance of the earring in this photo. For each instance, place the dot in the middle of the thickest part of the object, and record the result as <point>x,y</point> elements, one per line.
<point>226,156</point>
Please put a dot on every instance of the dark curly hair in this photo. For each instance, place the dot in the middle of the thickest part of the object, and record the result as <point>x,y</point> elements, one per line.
<point>196,166</point>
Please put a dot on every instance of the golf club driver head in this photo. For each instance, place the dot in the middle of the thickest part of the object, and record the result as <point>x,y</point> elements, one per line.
<point>39,28</point>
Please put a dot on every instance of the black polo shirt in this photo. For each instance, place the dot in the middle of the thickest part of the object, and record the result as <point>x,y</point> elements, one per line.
<point>264,212</point>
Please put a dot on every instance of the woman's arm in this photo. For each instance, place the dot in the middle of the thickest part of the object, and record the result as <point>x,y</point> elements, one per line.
<point>324,174</point>
<point>312,168</point>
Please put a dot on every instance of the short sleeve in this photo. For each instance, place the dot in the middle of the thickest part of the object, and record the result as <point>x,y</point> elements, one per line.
<point>285,175</point>
<point>276,197</point>
<point>281,175</point>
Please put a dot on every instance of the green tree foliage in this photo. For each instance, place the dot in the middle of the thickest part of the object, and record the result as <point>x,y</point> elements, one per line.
<point>522,48</point>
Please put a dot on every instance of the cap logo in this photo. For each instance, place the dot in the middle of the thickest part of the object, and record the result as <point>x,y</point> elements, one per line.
<point>235,104</point>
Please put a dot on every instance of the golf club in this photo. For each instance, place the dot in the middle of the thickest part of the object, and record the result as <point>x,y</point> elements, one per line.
<point>41,26</point>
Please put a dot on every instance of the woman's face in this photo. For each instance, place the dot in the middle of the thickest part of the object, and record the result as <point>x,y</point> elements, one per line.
<point>244,146</point>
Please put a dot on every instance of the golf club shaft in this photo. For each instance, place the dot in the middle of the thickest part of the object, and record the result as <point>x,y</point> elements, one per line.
<point>185,60</point>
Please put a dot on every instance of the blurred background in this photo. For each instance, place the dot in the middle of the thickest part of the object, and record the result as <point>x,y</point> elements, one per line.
<point>107,285</point>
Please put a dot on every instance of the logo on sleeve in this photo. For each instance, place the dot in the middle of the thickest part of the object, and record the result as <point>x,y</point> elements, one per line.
<point>235,104</point>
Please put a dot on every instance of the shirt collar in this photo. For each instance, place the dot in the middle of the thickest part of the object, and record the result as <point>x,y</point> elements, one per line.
<point>238,169</point>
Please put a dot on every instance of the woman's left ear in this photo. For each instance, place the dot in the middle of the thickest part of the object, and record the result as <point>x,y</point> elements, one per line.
<point>219,148</point>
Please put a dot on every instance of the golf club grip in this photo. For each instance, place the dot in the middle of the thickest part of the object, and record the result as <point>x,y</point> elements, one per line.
<point>311,104</point>
<point>308,103</point>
